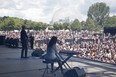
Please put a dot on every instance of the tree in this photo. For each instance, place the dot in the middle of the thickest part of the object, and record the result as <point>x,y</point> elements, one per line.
<point>83,24</point>
<point>18,23</point>
<point>58,26</point>
<point>11,25</point>
<point>90,25</point>
<point>110,22</point>
<point>8,23</point>
<point>66,25</point>
<point>98,12</point>
<point>76,25</point>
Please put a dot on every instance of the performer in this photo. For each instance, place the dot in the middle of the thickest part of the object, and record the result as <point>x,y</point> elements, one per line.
<point>52,54</point>
<point>24,40</point>
<point>31,40</point>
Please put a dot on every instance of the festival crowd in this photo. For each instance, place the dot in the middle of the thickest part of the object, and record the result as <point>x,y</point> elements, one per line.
<point>95,46</point>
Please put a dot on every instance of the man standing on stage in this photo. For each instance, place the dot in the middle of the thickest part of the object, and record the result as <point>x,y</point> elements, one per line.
<point>24,41</point>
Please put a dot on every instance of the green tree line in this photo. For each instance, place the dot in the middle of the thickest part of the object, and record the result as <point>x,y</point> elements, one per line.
<point>12,23</point>
<point>97,18</point>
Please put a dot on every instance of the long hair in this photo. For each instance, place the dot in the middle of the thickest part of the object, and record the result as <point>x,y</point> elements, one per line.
<point>52,41</point>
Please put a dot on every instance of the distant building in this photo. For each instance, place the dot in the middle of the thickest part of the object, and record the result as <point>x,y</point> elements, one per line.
<point>65,20</point>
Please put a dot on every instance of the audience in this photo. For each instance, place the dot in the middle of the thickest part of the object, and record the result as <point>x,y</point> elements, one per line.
<point>96,46</point>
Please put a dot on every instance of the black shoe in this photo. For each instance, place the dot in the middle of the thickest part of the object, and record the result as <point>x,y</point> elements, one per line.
<point>26,57</point>
<point>22,57</point>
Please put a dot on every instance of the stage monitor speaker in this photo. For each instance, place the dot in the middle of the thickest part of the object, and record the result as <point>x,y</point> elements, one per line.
<point>37,52</point>
<point>75,72</point>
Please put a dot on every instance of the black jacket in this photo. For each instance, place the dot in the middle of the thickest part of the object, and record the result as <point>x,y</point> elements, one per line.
<point>24,36</point>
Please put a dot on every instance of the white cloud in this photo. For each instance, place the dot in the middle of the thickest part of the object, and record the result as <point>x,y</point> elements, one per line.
<point>47,10</point>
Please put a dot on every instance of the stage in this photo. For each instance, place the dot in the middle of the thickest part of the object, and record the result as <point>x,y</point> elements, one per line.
<point>11,65</point>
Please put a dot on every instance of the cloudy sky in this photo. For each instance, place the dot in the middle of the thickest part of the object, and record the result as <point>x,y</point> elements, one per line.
<point>50,10</point>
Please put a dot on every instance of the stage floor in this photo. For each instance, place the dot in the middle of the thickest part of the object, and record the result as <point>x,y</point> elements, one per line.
<point>11,65</point>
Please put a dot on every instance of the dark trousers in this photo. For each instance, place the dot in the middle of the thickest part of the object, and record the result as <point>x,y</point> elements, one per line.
<point>59,63</point>
<point>24,50</point>
<point>32,43</point>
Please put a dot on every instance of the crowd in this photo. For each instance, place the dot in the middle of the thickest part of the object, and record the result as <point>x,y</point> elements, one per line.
<point>95,46</point>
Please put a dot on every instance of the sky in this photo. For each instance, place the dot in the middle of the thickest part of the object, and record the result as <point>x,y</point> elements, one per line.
<point>50,10</point>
